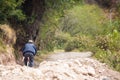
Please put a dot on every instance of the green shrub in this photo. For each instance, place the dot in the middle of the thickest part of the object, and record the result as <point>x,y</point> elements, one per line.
<point>81,43</point>
<point>102,42</point>
<point>11,8</point>
<point>61,39</point>
<point>114,40</point>
<point>87,43</point>
<point>109,42</point>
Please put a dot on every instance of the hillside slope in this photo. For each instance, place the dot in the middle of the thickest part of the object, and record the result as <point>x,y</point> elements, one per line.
<point>7,41</point>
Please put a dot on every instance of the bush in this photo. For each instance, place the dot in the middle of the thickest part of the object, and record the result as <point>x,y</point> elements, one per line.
<point>61,39</point>
<point>109,42</point>
<point>70,46</point>
<point>114,40</point>
<point>11,8</point>
<point>81,43</point>
<point>102,42</point>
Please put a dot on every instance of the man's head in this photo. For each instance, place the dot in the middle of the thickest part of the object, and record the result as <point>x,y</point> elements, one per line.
<point>30,41</point>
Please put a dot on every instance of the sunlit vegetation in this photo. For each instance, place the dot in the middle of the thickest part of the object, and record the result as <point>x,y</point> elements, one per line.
<point>11,9</point>
<point>83,28</point>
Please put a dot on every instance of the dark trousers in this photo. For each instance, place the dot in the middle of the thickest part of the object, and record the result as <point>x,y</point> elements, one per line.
<point>28,56</point>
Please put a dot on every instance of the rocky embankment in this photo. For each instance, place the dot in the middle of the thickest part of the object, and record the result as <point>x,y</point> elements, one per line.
<point>81,68</point>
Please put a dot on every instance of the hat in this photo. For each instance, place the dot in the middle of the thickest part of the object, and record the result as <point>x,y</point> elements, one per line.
<point>30,41</point>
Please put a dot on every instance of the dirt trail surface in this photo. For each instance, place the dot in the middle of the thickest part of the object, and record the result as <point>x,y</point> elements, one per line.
<point>68,55</point>
<point>75,67</point>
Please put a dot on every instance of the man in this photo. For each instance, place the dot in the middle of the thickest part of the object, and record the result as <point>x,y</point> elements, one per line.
<point>29,51</point>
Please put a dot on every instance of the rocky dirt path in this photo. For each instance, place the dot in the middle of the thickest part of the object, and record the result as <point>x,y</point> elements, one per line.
<point>62,66</point>
<point>68,55</point>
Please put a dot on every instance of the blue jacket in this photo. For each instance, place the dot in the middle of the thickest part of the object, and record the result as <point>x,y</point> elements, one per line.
<point>29,47</point>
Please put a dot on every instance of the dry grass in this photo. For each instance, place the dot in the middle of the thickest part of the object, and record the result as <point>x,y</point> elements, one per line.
<point>2,47</point>
<point>8,34</point>
<point>7,37</point>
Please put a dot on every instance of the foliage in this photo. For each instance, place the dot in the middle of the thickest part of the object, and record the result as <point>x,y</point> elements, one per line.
<point>62,4</point>
<point>116,23</point>
<point>74,19</point>
<point>11,8</point>
<point>109,57</point>
<point>109,49</point>
<point>61,39</point>
<point>50,23</point>
<point>86,19</point>
<point>102,42</point>
<point>109,42</point>
<point>84,23</point>
<point>114,40</point>
<point>81,43</point>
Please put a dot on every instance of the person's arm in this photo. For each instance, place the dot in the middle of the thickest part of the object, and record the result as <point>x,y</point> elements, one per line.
<point>35,49</point>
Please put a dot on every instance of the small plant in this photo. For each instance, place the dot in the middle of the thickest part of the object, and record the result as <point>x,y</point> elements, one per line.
<point>102,42</point>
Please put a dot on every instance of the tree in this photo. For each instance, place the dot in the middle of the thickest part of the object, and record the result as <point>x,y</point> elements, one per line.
<point>11,8</point>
